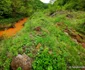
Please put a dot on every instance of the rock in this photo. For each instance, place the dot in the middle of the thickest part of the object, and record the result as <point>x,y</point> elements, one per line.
<point>83,44</point>
<point>38,46</point>
<point>66,33</point>
<point>22,61</point>
<point>52,14</point>
<point>75,41</point>
<point>60,23</point>
<point>83,69</point>
<point>69,16</point>
<point>37,28</point>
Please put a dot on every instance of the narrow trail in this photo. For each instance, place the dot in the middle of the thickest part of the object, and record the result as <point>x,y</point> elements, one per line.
<point>12,31</point>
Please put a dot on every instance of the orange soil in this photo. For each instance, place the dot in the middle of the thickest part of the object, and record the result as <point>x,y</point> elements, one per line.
<point>12,31</point>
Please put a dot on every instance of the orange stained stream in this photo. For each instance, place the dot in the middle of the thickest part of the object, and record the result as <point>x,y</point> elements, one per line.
<point>12,31</point>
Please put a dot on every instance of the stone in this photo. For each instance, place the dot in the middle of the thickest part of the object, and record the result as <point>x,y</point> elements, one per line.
<point>69,16</point>
<point>83,44</point>
<point>22,61</point>
<point>37,28</point>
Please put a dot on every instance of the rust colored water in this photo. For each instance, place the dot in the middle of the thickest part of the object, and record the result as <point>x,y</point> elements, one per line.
<point>12,31</point>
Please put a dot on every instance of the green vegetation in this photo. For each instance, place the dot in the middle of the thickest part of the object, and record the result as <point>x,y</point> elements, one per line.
<point>69,5</point>
<point>56,51</point>
<point>47,36</point>
<point>8,22</point>
<point>14,8</point>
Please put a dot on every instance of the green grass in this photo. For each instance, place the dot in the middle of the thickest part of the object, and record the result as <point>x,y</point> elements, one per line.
<point>57,51</point>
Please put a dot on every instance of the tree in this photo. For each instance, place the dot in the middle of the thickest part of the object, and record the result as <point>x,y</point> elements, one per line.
<point>70,4</point>
<point>5,9</point>
<point>12,8</point>
<point>17,7</point>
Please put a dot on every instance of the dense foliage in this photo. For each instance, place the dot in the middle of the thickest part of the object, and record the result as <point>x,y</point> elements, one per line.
<point>69,5</point>
<point>50,48</point>
<point>53,39</point>
<point>13,8</point>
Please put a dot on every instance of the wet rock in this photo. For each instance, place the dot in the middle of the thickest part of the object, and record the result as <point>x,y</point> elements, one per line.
<point>22,61</point>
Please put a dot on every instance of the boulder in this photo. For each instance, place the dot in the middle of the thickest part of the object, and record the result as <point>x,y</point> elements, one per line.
<point>22,61</point>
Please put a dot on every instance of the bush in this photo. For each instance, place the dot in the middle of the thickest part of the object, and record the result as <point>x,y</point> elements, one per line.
<point>48,61</point>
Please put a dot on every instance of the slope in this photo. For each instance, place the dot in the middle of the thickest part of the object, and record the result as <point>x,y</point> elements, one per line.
<point>45,41</point>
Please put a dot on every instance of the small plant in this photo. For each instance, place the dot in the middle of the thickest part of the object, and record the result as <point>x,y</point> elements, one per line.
<point>19,68</point>
<point>48,61</point>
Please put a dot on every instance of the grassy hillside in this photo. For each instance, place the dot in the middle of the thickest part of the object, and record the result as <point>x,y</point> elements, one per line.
<point>43,39</point>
